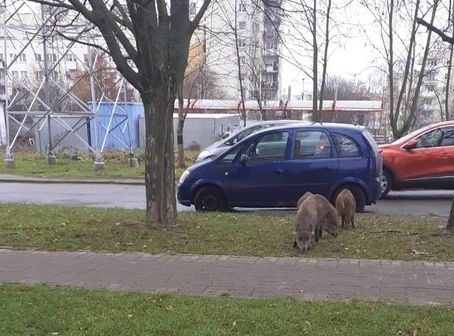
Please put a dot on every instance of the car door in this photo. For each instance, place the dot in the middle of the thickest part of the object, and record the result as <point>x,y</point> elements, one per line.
<point>432,158</point>
<point>258,177</point>
<point>313,165</point>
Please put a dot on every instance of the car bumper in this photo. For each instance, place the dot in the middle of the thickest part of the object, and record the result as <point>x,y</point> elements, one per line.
<point>183,195</point>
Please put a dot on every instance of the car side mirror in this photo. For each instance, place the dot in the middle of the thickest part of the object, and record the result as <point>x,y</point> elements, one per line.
<point>243,158</point>
<point>410,145</point>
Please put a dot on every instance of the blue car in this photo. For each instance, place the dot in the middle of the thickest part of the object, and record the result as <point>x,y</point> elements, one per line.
<point>274,167</point>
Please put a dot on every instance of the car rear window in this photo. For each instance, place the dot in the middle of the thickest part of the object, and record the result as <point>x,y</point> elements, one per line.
<point>346,146</point>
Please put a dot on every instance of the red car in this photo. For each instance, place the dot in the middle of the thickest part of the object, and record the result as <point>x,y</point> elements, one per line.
<point>421,159</point>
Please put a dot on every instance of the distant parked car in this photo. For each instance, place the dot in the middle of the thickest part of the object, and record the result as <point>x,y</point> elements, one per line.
<point>421,159</point>
<point>274,167</point>
<point>223,144</point>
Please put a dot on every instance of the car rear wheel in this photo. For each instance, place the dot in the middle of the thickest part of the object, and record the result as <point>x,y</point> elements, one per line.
<point>358,193</point>
<point>209,199</point>
<point>386,181</point>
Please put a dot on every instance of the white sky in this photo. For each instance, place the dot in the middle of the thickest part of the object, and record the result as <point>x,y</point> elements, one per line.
<point>351,56</point>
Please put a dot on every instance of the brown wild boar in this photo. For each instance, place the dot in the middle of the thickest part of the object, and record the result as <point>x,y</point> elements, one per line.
<point>329,220</point>
<point>303,198</point>
<point>313,216</point>
<point>346,206</point>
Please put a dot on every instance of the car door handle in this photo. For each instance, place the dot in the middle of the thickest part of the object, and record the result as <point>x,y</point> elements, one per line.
<point>328,168</point>
<point>279,171</point>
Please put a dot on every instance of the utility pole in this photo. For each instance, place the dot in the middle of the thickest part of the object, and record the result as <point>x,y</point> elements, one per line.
<point>8,161</point>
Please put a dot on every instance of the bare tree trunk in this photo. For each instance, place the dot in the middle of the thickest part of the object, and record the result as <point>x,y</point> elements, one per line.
<point>316,114</point>
<point>237,49</point>
<point>450,225</point>
<point>451,49</point>
<point>408,71</point>
<point>414,103</point>
<point>180,144</point>
<point>159,157</point>
<point>325,54</point>
<point>391,64</point>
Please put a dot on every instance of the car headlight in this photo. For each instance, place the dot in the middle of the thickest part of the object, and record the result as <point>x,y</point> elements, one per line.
<point>183,176</point>
<point>202,156</point>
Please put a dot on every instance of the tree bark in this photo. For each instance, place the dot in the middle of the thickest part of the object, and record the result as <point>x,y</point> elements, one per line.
<point>450,225</point>
<point>180,127</point>
<point>159,157</point>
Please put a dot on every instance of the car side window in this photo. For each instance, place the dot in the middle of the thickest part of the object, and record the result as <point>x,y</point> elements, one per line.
<point>430,139</point>
<point>345,146</point>
<point>311,145</point>
<point>231,155</point>
<point>269,147</point>
<point>448,136</point>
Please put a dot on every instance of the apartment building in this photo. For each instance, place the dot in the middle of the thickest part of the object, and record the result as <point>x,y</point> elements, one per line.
<point>242,43</point>
<point>432,100</point>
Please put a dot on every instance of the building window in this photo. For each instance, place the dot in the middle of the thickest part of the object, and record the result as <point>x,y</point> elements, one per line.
<point>242,7</point>
<point>192,9</point>
<point>242,25</point>
<point>22,58</point>
<point>38,58</point>
<point>241,43</point>
<point>242,60</point>
<point>70,57</point>
<point>427,101</point>
<point>15,74</point>
<point>51,57</point>
<point>269,45</point>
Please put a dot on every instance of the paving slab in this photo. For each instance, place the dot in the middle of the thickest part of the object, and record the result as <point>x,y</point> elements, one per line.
<point>415,283</point>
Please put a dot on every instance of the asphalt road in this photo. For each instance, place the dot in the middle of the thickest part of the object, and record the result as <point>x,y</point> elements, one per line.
<point>418,203</point>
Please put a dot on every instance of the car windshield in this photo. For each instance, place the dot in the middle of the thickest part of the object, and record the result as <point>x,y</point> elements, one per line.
<point>242,134</point>
<point>411,135</point>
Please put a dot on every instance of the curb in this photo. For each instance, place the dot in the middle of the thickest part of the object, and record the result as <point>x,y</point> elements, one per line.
<point>24,179</point>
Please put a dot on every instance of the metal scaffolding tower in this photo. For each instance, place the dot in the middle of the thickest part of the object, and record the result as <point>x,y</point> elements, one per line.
<point>38,87</point>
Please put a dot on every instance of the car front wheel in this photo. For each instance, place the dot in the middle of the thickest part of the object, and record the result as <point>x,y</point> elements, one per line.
<point>209,199</point>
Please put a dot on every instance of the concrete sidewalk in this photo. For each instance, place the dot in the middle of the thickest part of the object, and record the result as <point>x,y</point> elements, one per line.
<point>415,283</point>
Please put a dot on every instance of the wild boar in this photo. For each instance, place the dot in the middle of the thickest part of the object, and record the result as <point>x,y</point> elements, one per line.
<point>328,216</point>
<point>303,198</point>
<point>313,216</point>
<point>346,205</point>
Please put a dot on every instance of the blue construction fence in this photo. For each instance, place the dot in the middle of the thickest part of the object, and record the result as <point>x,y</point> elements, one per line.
<point>122,126</point>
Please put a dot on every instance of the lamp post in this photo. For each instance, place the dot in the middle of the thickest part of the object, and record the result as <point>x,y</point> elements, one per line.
<point>302,94</point>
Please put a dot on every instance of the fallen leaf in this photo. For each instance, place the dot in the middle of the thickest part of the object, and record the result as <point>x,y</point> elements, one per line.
<point>416,332</point>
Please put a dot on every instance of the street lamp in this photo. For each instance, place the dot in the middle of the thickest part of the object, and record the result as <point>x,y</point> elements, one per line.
<point>302,94</point>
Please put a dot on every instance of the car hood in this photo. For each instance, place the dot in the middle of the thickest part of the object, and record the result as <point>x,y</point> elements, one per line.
<point>385,146</point>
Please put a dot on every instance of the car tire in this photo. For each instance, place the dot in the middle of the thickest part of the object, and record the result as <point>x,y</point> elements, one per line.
<point>386,183</point>
<point>209,199</point>
<point>358,193</point>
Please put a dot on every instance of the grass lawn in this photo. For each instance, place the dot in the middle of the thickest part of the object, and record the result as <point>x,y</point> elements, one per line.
<point>116,166</point>
<point>78,228</point>
<point>47,310</point>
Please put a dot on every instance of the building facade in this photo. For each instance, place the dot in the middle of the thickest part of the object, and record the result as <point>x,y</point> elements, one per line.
<point>243,48</point>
